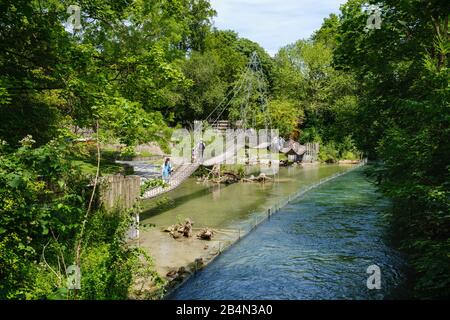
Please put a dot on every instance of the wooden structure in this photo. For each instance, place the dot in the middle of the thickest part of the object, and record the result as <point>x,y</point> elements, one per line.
<point>122,192</point>
<point>221,125</point>
<point>293,150</point>
<point>311,152</point>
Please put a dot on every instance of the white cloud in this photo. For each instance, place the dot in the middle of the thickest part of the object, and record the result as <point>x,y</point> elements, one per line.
<point>273,23</point>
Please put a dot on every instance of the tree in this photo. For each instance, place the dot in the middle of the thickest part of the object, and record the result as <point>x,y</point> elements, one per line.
<point>403,119</point>
<point>122,70</point>
<point>214,73</point>
<point>304,73</point>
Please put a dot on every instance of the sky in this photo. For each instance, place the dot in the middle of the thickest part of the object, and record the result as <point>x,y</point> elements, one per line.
<point>273,23</point>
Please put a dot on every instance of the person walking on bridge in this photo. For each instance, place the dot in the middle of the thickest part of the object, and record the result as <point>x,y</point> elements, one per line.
<point>166,170</point>
<point>201,149</point>
<point>193,156</point>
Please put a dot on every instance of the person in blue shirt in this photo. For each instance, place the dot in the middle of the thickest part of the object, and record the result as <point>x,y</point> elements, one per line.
<point>166,170</point>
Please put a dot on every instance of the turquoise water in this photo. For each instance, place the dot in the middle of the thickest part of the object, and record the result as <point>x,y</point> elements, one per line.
<point>221,206</point>
<point>317,247</point>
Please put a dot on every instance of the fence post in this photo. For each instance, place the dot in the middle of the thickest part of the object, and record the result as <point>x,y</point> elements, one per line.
<point>122,192</point>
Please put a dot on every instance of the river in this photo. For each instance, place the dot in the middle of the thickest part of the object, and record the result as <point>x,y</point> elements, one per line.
<point>233,205</point>
<point>317,247</point>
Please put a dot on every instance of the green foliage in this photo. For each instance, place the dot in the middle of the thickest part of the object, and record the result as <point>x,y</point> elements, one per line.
<point>385,92</point>
<point>329,153</point>
<point>310,134</point>
<point>403,118</point>
<point>214,72</point>
<point>325,98</point>
<point>332,152</point>
<point>138,66</point>
<point>240,171</point>
<point>327,34</point>
<point>285,115</point>
<point>123,68</point>
<point>201,172</point>
<point>109,268</point>
<point>209,88</point>
<point>85,160</point>
<point>43,203</point>
<point>130,123</point>
<point>151,184</point>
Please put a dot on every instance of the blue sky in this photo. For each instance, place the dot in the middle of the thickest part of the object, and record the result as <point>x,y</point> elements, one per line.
<point>273,23</point>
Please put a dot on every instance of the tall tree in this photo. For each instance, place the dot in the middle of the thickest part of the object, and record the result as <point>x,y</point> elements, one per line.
<point>404,119</point>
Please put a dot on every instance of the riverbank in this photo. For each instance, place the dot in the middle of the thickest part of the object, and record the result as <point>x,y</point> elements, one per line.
<point>231,211</point>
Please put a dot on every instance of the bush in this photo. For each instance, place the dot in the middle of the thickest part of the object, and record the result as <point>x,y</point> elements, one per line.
<point>329,153</point>
<point>151,184</point>
<point>43,202</point>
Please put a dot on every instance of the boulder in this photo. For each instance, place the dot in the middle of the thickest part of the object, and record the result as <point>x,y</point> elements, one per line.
<point>205,234</point>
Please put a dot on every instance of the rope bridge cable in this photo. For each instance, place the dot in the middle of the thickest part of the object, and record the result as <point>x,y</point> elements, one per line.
<point>245,84</point>
<point>224,99</point>
<point>234,90</point>
<point>228,103</point>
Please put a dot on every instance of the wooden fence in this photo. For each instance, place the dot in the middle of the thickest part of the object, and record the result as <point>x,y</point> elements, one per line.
<point>312,152</point>
<point>120,191</point>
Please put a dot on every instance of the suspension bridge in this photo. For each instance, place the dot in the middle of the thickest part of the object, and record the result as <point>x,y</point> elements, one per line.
<point>249,97</point>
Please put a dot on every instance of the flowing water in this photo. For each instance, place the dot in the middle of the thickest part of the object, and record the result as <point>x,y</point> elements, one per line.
<point>233,205</point>
<point>317,247</point>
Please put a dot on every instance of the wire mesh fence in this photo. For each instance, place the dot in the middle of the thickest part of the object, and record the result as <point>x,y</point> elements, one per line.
<point>259,217</point>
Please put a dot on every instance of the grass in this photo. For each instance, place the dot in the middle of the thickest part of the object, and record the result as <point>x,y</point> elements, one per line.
<point>145,154</point>
<point>105,167</point>
<point>86,161</point>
